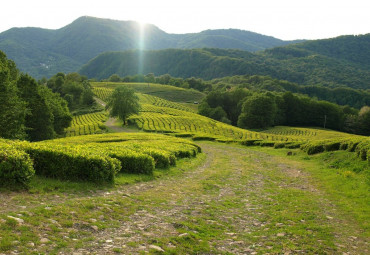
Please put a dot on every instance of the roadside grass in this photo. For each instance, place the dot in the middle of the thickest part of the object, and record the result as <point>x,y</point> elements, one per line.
<point>343,177</point>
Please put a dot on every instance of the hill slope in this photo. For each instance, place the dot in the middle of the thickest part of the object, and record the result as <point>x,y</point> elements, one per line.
<point>305,67</point>
<point>43,52</point>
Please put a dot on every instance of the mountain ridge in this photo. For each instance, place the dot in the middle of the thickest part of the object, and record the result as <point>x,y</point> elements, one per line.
<point>44,52</point>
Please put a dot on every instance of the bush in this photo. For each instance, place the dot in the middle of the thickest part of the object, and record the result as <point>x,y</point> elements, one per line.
<point>16,167</point>
<point>313,147</point>
<point>362,150</point>
<point>332,146</point>
<point>72,163</point>
<point>203,138</point>
<point>133,162</point>
<point>249,142</point>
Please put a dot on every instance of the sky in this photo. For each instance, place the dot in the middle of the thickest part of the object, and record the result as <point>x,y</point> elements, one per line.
<point>283,19</point>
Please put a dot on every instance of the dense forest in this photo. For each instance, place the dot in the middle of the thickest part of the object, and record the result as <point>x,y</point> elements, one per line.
<point>256,110</point>
<point>29,110</point>
<point>341,95</point>
<point>305,69</point>
<point>40,110</point>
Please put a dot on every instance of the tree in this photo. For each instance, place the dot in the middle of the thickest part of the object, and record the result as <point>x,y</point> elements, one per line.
<point>364,121</point>
<point>39,120</point>
<point>13,108</point>
<point>123,103</point>
<point>258,111</point>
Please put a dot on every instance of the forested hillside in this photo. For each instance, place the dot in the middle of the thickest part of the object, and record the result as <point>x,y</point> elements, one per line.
<point>44,52</point>
<point>304,68</point>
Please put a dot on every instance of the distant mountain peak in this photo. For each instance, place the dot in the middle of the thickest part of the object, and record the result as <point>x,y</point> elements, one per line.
<point>68,48</point>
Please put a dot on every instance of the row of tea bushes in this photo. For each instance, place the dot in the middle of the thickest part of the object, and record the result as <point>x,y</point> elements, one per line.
<point>95,158</point>
<point>359,145</point>
<point>16,167</point>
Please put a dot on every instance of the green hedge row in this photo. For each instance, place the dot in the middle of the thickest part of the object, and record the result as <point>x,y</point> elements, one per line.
<point>16,168</point>
<point>71,163</point>
<point>361,146</point>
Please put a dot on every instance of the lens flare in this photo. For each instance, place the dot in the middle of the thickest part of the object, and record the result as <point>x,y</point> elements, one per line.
<point>141,48</point>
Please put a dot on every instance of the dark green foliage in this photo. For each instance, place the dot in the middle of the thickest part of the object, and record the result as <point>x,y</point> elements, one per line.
<point>39,120</point>
<point>123,103</point>
<point>13,108</point>
<point>62,118</point>
<point>29,110</point>
<point>341,95</point>
<point>214,63</point>
<point>258,111</point>
<point>76,91</point>
<point>16,167</point>
<point>364,121</point>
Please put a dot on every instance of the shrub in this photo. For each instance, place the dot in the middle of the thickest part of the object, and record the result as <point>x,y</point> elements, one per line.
<point>203,138</point>
<point>332,146</point>
<point>133,162</point>
<point>313,147</point>
<point>249,142</point>
<point>293,145</point>
<point>362,149</point>
<point>279,145</point>
<point>16,167</point>
<point>72,163</point>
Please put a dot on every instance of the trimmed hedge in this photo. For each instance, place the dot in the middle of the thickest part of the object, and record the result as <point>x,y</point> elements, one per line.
<point>16,167</point>
<point>133,162</point>
<point>358,145</point>
<point>72,163</point>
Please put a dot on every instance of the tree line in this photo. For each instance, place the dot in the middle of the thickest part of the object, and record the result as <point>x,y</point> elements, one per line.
<point>259,110</point>
<point>356,98</point>
<point>40,110</point>
<point>29,110</point>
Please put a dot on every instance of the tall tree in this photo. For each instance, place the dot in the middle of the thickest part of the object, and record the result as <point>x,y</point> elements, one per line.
<point>258,111</point>
<point>39,121</point>
<point>123,103</point>
<point>12,107</point>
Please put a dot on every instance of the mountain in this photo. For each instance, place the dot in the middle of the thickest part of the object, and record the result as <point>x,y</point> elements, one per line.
<point>44,52</point>
<point>292,63</point>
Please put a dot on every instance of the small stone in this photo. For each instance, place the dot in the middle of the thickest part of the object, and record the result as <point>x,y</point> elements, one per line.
<point>95,228</point>
<point>183,234</point>
<point>44,240</point>
<point>280,234</point>
<point>20,221</point>
<point>329,218</point>
<point>93,220</point>
<point>155,247</point>
<point>31,244</point>
<point>230,234</point>
<point>109,241</point>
